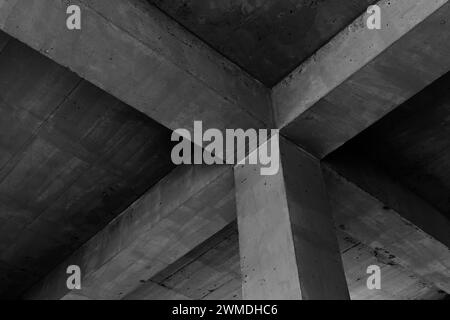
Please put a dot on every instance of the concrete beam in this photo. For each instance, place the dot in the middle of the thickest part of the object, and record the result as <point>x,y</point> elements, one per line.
<point>155,291</point>
<point>288,246</point>
<point>376,210</point>
<point>184,209</point>
<point>362,74</point>
<point>134,52</point>
<point>397,282</point>
<point>208,273</point>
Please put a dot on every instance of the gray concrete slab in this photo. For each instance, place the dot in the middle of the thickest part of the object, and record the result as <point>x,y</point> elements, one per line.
<point>72,157</point>
<point>267,38</point>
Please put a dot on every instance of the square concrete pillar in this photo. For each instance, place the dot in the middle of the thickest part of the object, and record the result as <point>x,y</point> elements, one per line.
<point>287,239</point>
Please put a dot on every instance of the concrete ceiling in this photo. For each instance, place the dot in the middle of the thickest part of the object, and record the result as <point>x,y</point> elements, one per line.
<point>72,157</point>
<point>212,271</point>
<point>267,38</point>
<point>412,144</point>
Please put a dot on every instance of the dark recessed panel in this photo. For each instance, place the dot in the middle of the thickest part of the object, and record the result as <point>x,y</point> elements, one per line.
<point>268,38</point>
<point>72,157</point>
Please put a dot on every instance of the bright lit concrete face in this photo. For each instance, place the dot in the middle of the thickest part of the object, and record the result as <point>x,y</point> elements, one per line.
<point>177,80</point>
<point>287,241</point>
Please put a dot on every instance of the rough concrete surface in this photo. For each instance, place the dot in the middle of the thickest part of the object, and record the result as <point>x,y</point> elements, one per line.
<point>86,176</point>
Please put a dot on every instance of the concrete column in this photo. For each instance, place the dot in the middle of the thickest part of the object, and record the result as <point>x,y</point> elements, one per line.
<point>287,240</point>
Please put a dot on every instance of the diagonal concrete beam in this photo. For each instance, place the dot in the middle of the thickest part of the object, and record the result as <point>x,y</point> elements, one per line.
<point>183,210</point>
<point>376,210</point>
<point>362,74</point>
<point>137,54</point>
